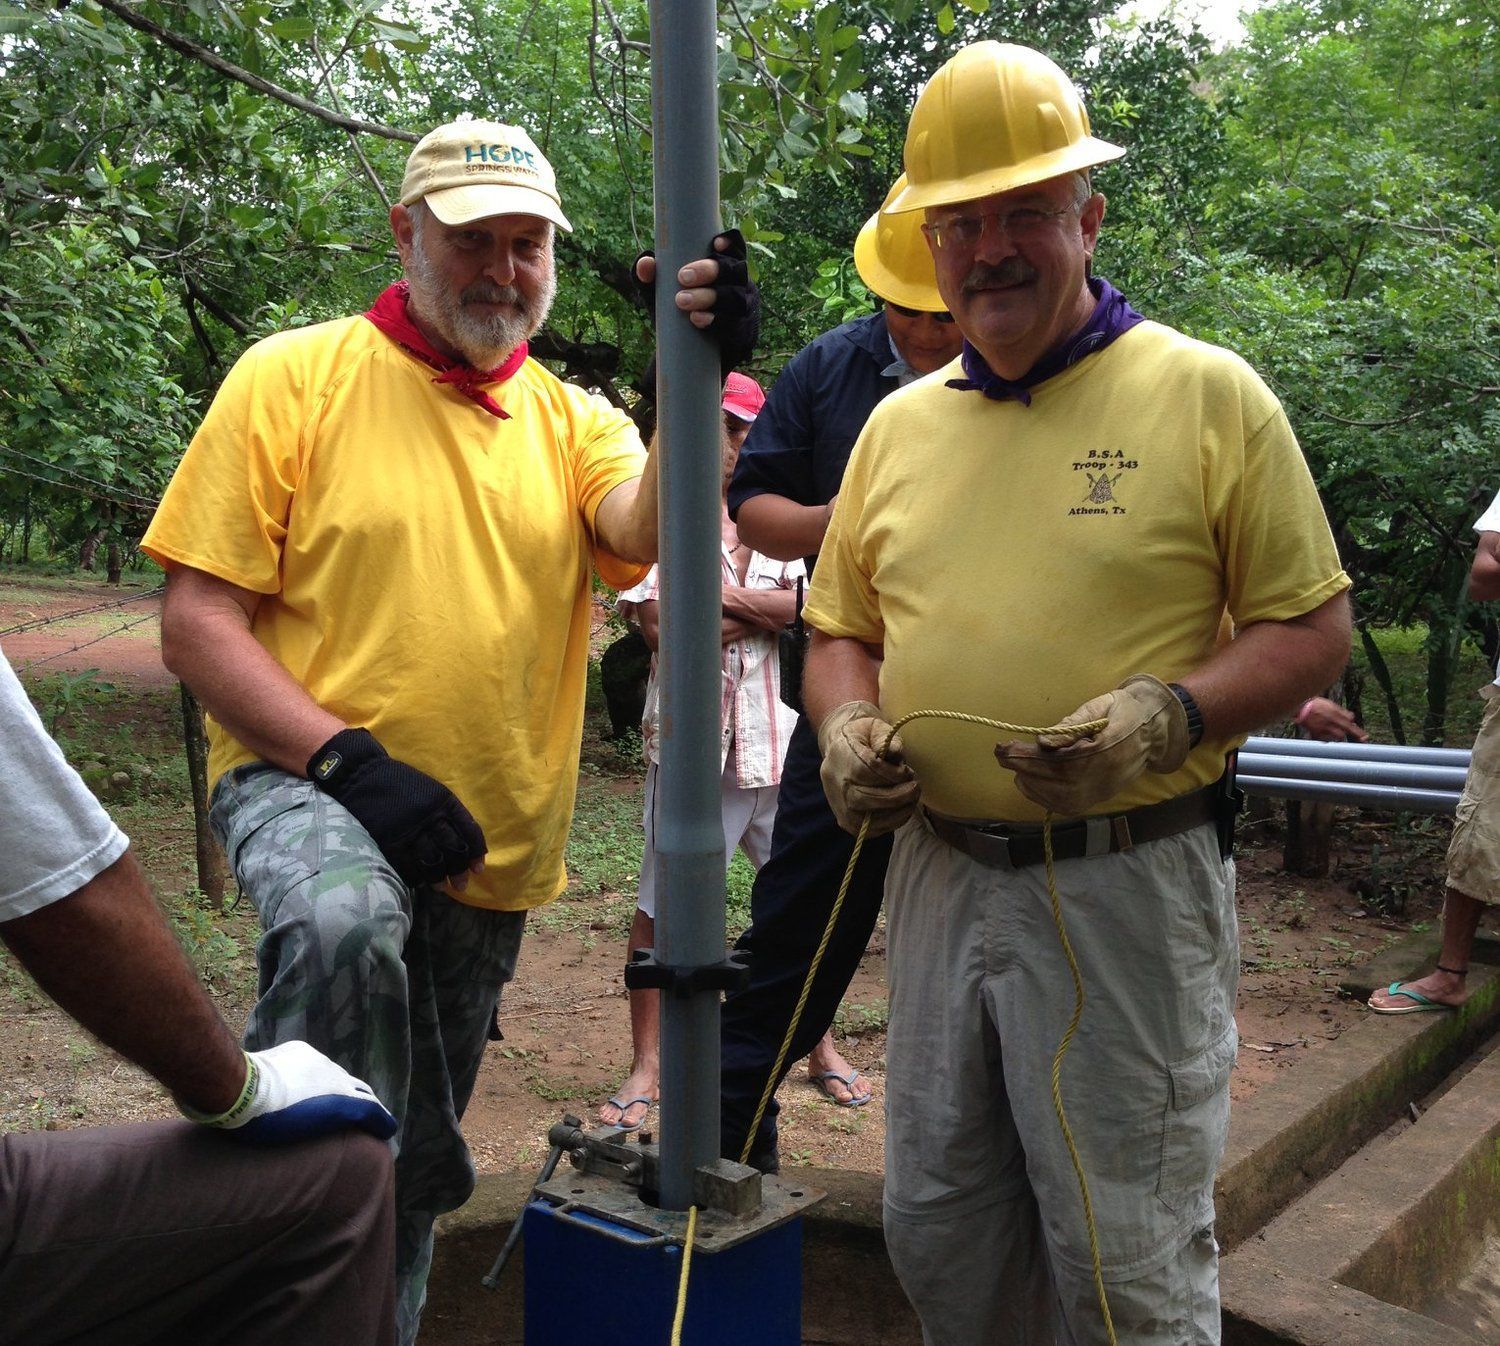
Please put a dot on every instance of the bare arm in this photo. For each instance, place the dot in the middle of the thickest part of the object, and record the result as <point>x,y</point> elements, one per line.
<point>626,520</point>
<point>745,611</point>
<point>648,618</point>
<point>106,956</point>
<point>1484,578</point>
<point>767,609</point>
<point>206,641</point>
<point>1270,668</point>
<point>838,670</point>
<point>776,526</point>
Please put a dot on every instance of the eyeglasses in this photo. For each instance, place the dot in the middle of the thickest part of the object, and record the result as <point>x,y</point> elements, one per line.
<point>919,313</point>
<point>965,231</point>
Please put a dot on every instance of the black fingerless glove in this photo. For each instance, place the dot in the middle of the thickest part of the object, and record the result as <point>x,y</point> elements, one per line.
<point>736,306</point>
<point>418,823</point>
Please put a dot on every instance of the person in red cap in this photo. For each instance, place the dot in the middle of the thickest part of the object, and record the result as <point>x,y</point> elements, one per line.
<point>743,399</point>
<point>759,598</point>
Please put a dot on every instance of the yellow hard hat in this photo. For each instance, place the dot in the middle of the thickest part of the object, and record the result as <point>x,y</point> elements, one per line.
<point>995,117</point>
<point>892,258</point>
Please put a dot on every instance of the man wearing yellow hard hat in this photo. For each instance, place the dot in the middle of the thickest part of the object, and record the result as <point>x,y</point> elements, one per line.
<point>780,499</point>
<point>1067,524</point>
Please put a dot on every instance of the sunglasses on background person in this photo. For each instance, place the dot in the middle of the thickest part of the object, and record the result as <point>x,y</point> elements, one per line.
<point>920,313</point>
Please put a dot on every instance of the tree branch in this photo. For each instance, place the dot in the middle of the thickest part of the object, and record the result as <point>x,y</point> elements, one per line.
<point>371,176</point>
<point>187,47</point>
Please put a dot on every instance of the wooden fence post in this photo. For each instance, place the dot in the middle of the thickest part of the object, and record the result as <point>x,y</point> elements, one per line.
<point>211,864</point>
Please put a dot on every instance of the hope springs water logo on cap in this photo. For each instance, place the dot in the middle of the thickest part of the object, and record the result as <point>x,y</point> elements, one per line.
<point>479,157</point>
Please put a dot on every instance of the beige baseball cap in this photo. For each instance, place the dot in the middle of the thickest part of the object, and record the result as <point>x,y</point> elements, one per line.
<point>471,169</point>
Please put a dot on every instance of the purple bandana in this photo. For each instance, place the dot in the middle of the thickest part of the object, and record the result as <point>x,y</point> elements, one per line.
<point>1112,317</point>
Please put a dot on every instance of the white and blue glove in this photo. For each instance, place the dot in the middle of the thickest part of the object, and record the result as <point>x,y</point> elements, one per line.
<point>293,1092</point>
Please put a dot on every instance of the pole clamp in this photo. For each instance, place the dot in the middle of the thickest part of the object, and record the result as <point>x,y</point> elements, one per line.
<point>644,972</point>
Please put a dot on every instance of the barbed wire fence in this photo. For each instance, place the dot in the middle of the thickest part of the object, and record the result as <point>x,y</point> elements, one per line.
<point>211,866</point>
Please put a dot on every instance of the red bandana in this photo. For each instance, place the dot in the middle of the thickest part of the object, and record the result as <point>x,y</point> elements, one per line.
<point>389,314</point>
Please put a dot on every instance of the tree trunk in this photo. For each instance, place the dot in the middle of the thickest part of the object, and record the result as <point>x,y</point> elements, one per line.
<point>210,857</point>
<point>88,554</point>
<point>1382,673</point>
<point>115,563</point>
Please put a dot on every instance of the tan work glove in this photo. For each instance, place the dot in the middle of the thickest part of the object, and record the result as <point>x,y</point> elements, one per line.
<point>856,778</point>
<point>1147,731</point>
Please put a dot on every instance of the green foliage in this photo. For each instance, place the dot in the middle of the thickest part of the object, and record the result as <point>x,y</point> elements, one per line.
<point>57,696</point>
<point>841,291</point>
<point>1404,651</point>
<point>1355,259</point>
<point>207,940</point>
<point>604,847</point>
<point>1320,198</point>
<point>855,1020</point>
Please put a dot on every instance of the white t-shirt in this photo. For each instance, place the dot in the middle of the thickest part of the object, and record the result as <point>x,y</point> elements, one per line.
<point>1489,522</point>
<point>54,836</point>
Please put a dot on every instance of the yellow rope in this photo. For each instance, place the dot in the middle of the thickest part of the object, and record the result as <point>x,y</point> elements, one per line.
<point>807,985</point>
<point>1080,730</point>
<point>1057,1060</point>
<point>682,1277</point>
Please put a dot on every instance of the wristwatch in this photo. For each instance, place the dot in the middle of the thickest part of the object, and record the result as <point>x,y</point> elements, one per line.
<point>1194,715</point>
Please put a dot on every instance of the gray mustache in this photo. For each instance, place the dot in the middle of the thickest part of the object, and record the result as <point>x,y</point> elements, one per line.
<point>492,294</point>
<point>1011,271</point>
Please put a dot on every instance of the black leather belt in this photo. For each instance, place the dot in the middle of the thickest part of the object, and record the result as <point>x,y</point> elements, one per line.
<point>1015,845</point>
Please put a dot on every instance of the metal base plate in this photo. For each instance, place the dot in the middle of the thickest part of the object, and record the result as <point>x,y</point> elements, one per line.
<point>607,1197</point>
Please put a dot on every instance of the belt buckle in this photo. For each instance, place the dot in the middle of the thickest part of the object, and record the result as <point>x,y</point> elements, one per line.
<point>991,846</point>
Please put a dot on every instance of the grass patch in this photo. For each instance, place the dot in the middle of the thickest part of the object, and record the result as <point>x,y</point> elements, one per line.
<point>856,1020</point>
<point>603,857</point>
<point>127,746</point>
<point>604,847</point>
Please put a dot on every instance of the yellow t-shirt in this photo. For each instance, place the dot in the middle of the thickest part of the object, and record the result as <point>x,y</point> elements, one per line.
<point>425,566</point>
<point>1016,561</point>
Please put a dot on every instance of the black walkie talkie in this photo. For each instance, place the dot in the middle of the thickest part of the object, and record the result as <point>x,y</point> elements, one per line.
<point>791,651</point>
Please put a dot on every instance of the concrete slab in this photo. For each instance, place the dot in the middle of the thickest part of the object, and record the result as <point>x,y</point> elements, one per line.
<point>1355,1260</point>
<point>1294,1131</point>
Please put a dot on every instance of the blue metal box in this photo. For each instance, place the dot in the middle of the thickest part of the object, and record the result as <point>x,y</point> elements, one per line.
<point>589,1279</point>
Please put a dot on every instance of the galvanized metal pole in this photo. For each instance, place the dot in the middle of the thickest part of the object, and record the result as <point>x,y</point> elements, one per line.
<point>1402,775</point>
<point>1355,796</point>
<point>689,830</point>
<point>1359,752</point>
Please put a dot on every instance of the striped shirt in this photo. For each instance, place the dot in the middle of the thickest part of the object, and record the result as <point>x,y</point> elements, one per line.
<point>754,724</point>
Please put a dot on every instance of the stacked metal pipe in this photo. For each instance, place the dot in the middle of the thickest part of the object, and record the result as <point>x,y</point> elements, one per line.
<point>1367,775</point>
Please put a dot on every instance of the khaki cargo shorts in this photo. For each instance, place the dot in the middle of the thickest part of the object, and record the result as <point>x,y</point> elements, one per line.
<point>1474,852</point>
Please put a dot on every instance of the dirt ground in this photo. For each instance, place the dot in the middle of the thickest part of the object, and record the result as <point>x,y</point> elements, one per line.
<point>566,1042</point>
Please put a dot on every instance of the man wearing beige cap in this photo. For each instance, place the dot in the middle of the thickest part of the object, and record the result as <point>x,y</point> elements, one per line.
<point>379,550</point>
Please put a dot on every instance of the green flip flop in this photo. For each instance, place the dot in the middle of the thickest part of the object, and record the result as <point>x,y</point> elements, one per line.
<point>1419,1001</point>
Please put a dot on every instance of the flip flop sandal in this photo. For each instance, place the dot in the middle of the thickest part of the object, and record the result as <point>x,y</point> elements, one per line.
<point>820,1082</point>
<point>625,1105</point>
<point>1419,1001</point>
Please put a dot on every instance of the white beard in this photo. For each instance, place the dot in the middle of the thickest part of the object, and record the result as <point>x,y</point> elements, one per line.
<point>484,340</point>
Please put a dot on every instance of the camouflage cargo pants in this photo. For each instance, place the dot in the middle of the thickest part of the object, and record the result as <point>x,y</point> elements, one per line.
<point>397,985</point>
